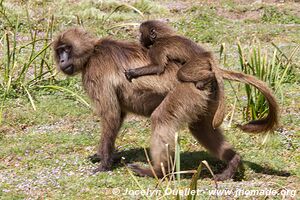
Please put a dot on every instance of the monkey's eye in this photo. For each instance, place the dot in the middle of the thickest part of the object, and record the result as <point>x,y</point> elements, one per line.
<point>67,49</point>
<point>63,48</point>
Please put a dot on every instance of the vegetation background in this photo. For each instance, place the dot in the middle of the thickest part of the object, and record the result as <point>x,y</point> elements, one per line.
<point>47,129</point>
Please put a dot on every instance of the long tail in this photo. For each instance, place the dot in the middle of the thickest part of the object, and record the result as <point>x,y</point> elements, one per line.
<point>261,125</point>
<point>220,112</point>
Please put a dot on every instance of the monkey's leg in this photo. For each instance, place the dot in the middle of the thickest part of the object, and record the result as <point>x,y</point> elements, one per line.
<point>196,74</point>
<point>161,150</point>
<point>213,140</point>
<point>161,146</point>
<point>111,124</point>
<point>143,71</point>
<point>165,120</point>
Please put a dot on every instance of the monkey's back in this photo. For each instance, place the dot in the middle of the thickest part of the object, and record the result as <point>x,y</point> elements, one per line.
<point>177,48</point>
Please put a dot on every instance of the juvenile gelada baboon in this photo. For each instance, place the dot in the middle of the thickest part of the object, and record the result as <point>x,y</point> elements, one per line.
<point>198,64</point>
<point>167,101</point>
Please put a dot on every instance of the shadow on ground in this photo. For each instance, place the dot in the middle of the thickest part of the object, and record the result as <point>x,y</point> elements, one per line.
<point>191,161</point>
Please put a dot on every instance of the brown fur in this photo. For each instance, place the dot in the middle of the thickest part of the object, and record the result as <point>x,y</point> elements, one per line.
<point>261,125</point>
<point>199,67</point>
<point>102,63</point>
<point>198,64</point>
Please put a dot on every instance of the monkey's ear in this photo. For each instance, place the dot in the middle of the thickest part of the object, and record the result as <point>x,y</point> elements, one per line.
<point>153,34</point>
<point>96,44</point>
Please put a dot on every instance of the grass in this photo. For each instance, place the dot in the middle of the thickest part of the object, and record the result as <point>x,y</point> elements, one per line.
<point>45,154</point>
<point>44,149</point>
<point>276,70</point>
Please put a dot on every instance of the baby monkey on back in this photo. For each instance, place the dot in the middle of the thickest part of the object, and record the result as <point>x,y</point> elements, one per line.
<point>198,64</point>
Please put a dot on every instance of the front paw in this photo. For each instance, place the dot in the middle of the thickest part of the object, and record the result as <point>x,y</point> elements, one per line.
<point>129,75</point>
<point>95,158</point>
<point>102,168</point>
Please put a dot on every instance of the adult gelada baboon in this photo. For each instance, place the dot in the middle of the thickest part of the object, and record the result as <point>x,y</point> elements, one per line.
<point>170,103</point>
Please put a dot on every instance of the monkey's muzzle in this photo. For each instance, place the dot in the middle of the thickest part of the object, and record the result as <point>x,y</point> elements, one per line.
<point>68,69</point>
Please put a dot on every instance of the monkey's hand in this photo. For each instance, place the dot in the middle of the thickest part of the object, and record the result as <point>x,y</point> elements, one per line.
<point>102,168</point>
<point>95,158</point>
<point>130,74</point>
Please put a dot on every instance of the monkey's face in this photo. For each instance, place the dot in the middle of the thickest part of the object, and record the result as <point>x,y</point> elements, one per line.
<point>64,59</point>
<point>152,30</point>
<point>148,35</point>
<point>146,41</point>
<point>72,50</point>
